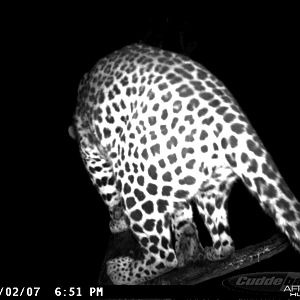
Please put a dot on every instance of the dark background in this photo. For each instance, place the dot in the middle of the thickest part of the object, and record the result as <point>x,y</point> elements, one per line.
<point>55,229</point>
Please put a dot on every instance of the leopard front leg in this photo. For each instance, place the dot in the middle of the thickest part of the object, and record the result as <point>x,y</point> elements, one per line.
<point>119,220</point>
<point>100,170</point>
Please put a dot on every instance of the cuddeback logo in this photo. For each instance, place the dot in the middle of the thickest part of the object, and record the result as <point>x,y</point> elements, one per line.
<point>280,282</point>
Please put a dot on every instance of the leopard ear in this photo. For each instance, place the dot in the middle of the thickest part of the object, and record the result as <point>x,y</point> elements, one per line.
<point>72,132</point>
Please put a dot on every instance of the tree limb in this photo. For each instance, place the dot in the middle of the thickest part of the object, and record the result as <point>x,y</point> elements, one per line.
<point>124,244</point>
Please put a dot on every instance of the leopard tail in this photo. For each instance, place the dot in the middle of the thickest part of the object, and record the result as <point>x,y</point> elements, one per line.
<point>259,173</point>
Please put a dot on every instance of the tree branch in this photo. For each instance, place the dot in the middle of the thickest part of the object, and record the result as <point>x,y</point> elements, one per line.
<point>124,244</point>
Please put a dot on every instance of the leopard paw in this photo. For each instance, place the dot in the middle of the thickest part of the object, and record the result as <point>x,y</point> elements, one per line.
<point>117,226</point>
<point>214,254</point>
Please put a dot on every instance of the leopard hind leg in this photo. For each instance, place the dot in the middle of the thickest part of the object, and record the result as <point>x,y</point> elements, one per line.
<point>158,257</point>
<point>211,202</point>
<point>187,245</point>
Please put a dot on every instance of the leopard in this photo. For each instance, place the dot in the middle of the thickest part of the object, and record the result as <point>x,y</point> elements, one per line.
<point>159,133</point>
